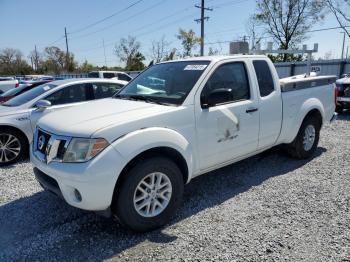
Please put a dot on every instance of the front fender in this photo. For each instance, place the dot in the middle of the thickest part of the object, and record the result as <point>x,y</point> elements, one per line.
<point>134,143</point>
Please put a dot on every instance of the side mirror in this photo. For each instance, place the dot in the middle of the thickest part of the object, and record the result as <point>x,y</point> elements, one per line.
<point>217,96</point>
<point>41,105</point>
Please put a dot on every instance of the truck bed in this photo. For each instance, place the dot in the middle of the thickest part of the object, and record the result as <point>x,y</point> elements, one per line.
<point>297,93</point>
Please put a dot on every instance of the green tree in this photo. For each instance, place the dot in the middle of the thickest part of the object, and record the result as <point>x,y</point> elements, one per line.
<point>86,67</point>
<point>136,63</point>
<point>189,41</point>
<point>127,50</point>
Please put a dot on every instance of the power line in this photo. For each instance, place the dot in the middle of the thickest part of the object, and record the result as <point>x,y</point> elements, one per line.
<point>106,18</point>
<point>119,22</point>
<point>201,20</point>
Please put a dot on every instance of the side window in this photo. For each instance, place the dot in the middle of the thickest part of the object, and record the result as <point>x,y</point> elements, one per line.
<point>108,75</point>
<point>232,77</point>
<point>104,90</point>
<point>124,77</point>
<point>69,94</point>
<point>264,76</point>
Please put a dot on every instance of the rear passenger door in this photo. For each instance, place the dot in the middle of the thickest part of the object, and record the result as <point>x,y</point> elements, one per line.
<point>270,103</point>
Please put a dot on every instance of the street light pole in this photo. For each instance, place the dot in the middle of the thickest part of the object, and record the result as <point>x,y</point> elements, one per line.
<point>342,50</point>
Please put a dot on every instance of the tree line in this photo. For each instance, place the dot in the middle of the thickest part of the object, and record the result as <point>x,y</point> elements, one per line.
<point>287,22</point>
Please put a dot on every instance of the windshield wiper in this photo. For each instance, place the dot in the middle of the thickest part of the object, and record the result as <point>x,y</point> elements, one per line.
<point>140,98</point>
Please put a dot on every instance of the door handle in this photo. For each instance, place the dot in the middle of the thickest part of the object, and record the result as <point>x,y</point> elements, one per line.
<point>251,110</point>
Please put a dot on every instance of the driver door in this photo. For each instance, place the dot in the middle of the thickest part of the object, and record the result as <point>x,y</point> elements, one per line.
<point>63,98</point>
<point>229,128</point>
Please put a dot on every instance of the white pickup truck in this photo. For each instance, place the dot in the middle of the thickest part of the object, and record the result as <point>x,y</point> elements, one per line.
<point>131,155</point>
<point>7,83</point>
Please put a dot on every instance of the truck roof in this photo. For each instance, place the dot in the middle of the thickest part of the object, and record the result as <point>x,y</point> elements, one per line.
<point>214,58</point>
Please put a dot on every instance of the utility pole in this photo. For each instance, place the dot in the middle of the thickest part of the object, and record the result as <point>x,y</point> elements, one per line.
<point>201,20</point>
<point>67,50</point>
<point>342,50</point>
<point>36,59</point>
<point>104,51</point>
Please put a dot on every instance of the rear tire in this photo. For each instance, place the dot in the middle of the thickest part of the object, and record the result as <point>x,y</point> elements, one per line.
<point>305,143</point>
<point>13,146</point>
<point>143,207</point>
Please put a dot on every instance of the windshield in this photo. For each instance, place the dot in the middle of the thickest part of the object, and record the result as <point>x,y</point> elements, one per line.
<point>13,91</point>
<point>30,95</point>
<point>167,83</point>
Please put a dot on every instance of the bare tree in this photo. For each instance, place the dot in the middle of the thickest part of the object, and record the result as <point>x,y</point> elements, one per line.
<point>287,21</point>
<point>213,51</point>
<point>127,50</point>
<point>159,50</point>
<point>189,41</point>
<point>35,57</point>
<point>341,10</point>
<point>12,62</point>
<point>254,34</point>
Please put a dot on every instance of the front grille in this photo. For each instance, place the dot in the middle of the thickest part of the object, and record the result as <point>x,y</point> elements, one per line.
<point>347,92</point>
<point>49,147</point>
<point>42,141</point>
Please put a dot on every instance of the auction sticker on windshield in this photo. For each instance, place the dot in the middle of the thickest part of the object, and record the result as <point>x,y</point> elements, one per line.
<point>195,67</point>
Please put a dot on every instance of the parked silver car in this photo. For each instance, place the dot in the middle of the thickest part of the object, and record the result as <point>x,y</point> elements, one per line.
<point>19,115</point>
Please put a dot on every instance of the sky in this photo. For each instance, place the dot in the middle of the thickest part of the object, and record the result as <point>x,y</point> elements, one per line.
<point>26,23</point>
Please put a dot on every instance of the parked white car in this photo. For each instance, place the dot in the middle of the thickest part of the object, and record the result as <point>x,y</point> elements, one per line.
<point>19,115</point>
<point>132,154</point>
<point>110,74</point>
<point>7,83</point>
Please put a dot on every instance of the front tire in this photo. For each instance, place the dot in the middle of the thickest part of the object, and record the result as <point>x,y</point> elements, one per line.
<point>149,194</point>
<point>13,146</point>
<point>305,144</point>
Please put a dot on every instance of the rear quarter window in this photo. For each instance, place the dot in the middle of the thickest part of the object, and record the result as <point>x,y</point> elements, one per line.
<point>264,77</point>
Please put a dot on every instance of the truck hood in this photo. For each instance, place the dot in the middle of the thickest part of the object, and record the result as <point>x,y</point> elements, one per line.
<point>88,118</point>
<point>342,81</point>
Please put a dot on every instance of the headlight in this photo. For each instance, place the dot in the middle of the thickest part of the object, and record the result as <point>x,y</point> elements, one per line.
<point>83,149</point>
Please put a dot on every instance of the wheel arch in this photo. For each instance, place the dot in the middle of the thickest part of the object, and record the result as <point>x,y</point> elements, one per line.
<point>163,151</point>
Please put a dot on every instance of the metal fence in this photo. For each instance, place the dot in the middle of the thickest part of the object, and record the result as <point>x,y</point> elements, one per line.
<point>322,67</point>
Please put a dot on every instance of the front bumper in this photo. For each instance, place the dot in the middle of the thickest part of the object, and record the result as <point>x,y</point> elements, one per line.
<point>94,180</point>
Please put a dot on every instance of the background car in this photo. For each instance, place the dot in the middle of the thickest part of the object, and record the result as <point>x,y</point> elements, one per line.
<point>18,116</point>
<point>110,74</point>
<point>343,94</point>
<point>18,91</point>
<point>7,83</point>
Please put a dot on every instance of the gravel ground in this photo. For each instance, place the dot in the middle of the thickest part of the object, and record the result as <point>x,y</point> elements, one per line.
<point>268,207</point>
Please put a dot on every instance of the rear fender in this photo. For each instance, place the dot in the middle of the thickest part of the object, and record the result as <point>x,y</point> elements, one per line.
<point>293,128</point>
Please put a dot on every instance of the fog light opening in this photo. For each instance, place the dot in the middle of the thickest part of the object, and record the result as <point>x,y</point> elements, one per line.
<point>77,195</point>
